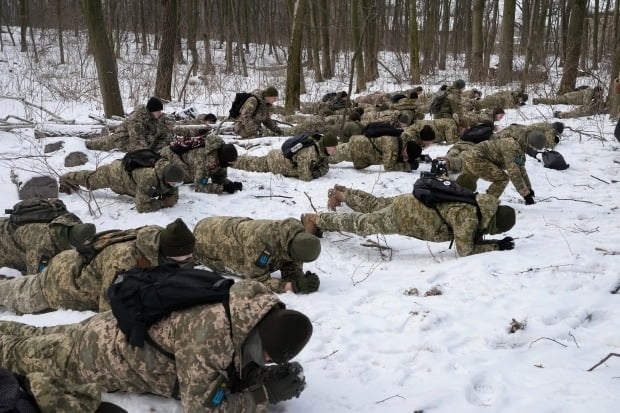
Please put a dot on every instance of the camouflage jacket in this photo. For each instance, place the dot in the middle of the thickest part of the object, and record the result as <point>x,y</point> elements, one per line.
<point>519,132</point>
<point>236,243</point>
<point>141,130</point>
<point>146,185</point>
<point>446,130</point>
<point>449,221</point>
<point>201,165</point>
<point>384,150</point>
<point>454,155</point>
<point>505,99</point>
<point>507,154</point>
<point>302,165</point>
<point>29,247</point>
<point>452,106</point>
<point>94,356</point>
<point>255,109</point>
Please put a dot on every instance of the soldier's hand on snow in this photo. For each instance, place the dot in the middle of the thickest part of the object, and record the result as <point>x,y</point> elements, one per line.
<point>507,243</point>
<point>168,202</point>
<point>414,164</point>
<point>229,186</point>
<point>532,192</point>
<point>426,158</point>
<point>529,199</point>
<point>316,173</point>
<point>306,283</point>
<point>238,186</point>
<point>286,382</point>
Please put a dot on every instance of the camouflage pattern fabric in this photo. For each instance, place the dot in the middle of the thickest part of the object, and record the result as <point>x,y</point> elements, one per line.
<point>139,131</point>
<point>68,282</point>
<point>304,164</point>
<point>405,215</point>
<point>201,165</point>
<point>520,132</point>
<point>234,244</point>
<point>372,99</point>
<point>505,99</point>
<point>384,150</point>
<point>26,247</point>
<point>454,155</point>
<point>69,366</point>
<point>386,116</point>
<point>471,118</point>
<point>452,107</point>
<point>254,112</point>
<point>342,154</point>
<point>595,107</point>
<point>146,185</point>
<point>308,124</point>
<point>578,97</point>
<point>489,159</point>
<point>332,106</point>
<point>409,107</point>
<point>446,130</point>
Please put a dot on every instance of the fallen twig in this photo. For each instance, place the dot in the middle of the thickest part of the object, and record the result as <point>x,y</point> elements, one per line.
<point>544,268</point>
<point>311,204</point>
<point>607,252</point>
<point>604,360</point>
<point>391,397</point>
<point>602,180</point>
<point>329,355</point>
<point>372,244</point>
<point>574,339</point>
<point>272,196</point>
<point>25,102</point>
<point>547,338</point>
<point>569,199</point>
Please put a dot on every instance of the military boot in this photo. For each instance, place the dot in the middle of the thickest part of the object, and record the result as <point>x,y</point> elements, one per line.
<point>335,197</point>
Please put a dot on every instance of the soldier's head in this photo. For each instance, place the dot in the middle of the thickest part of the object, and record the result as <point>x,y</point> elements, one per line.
<point>397,96</point>
<point>355,117</point>
<point>304,247</point>
<point>498,114</point>
<point>176,243</point>
<point>155,106</point>
<point>283,334</point>
<point>419,90</point>
<point>503,220</point>
<point>536,139</point>
<point>227,155</point>
<point>209,118</point>
<point>459,84</point>
<point>173,175</point>
<point>270,95</point>
<point>443,88</point>
<point>74,235</point>
<point>427,135</point>
<point>359,110</point>
<point>558,128</point>
<point>403,120</point>
<point>520,98</point>
<point>329,142</point>
<point>476,94</point>
<point>411,151</point>
<point>413,95</point>
<point>343,95</point>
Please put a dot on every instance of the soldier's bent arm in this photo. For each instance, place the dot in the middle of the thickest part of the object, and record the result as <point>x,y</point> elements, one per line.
<point>137,133</point>
<point>515,167</point>
<point>463,220</point>
<point>248,108</point>
<point>146,193</point>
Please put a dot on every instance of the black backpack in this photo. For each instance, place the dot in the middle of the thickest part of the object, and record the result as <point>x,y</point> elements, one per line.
<point>376,129</point>
<point>101,240</point>
<point>142,158</point>
<point>142,296</point>
<point>240,98</point>
<point>36,211</point>
<point>478,133</point>
<point>293,145</point>
<point>431,191</point>
<point>13,397</point>
<point>437,103</point>
<point>554,160</point>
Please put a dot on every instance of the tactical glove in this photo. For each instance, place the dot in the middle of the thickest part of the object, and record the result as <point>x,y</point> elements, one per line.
<point>231,187</point>
<point>238,186</point>
<point>529,199</point>
<point>106,407</point>
<point>426,158</point>
<point>532,192</point>
<point>284,382</point>
<point>306,283</point>
<point>507,243</point>
<point>316,173</point>
<point>414,164</point>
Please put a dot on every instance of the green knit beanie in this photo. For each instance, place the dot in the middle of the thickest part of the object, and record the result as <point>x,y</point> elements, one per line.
<point>503,220</point>
<point>80,233</point>
<point>270,91</point>
<point>173,173</point>
<point>176,239</point>
<point>329,139</point>
<point>304,247</point>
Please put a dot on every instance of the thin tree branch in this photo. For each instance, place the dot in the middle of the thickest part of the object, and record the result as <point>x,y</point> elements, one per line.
<point>604,360</point>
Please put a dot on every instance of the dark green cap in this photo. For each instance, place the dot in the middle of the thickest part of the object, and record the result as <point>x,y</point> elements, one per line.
<point>304,247</point>
<point>503,220</point>
<point>284,333</point>
<point>176,239</point>
<point>80,233</point>
<point>270,91</point>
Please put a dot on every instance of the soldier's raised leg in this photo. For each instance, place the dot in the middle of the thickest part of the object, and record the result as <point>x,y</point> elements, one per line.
<point>252,163</point>
<point>489,172</point>
<point>361,201</point>
<point>378,222</point>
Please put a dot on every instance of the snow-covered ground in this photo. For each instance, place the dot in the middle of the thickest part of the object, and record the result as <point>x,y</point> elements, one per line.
<point>378,346</point>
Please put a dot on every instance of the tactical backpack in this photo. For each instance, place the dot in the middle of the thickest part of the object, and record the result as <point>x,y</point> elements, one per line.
<point>13,397</point>
<point>240,98</point>
<point>36,211</point>
<point>431,191</point>
<point>377,129</point>
<point>293,145</point>
<point>102,240</point>
<point>437,103</point>
<point>141,158</point>
<point>554,160</point>
<point>478,133</point>
<point>328,96</point>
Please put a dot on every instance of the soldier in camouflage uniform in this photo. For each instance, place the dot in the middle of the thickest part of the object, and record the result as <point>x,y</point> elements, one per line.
<point>552,132</point>
<point>70,282</point>
<point>152,188</point>
<point>582,96</point>
<point>309,163</point>
<point>489,159</point>
<point>452,159</point>
<point>594,106</point>
<point>407,105</point>
<point>257,248</point>
<point>29,247</point>
<point>256,111</point>
<point>452,107</point>
<point>67,367</point>
<point>446,130</point>
<point>372,100</point>
<point>333,104</point>
<point>381,113</point>
<point>205,166</point>
<point>406,215</point>
<point>145,127</point>
<point>477,117</point>
<point>510,99</point>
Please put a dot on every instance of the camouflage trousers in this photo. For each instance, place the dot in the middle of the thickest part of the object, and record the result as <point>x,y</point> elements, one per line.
<point>580,111</point>
<point>373,215</point>
<point>247,129</point>
<point>483,169</point>
<point>253,163</point>
<point>53,288</point>
<point>342,154</point>
<point>446,129</point>
<point>103,143</point>
<point>97,179</point>
<point>453,156</point>
<point>45,355</point>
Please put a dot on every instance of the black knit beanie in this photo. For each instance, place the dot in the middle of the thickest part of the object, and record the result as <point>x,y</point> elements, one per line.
<point>154,105</point>
<point>427,133</point>
<point>227,154</point>
<point>413,150</point>
<point>284,333</point>
<point>176,239</point>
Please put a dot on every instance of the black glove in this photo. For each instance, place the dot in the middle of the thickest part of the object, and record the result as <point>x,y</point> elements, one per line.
<point>507,243</point>
<point>106,407</point>
<point>306,283</point>
<point>529,199</point>
<point>426,158</point>
<point>284,382</point>
<point>316,173</point>
<point>238,186</point>
<point>414,164</point>
<point>532,192</point>
<point>231,187</point>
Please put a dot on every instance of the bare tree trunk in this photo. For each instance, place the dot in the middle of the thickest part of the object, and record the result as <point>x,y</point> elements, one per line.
<point>595,36</point>
<point>8,28</point>
<point>414,45</point>
<point>293,69</point>
<point>507,43</point>
<point>491,34</point>
<point>104,58</point>
<point>143,29</point>
<point>445,30</point>
<point>240,51</point>
<point>208,66</point>
<point>23,22</point>
<point>476,72</point>
<point>573,50</point>
<point>165,63</point>
<point>531,39</point>
<point>316,42</point>
<point>59,26</point>
<point>371,65</point>
<point>325,44</point>
<point>228,32</point>
<point>360,83</point>
<point>192,24</point>
<point>613,99</point>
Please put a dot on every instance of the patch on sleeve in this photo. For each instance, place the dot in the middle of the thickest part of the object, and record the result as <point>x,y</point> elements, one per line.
<point>519,160</point>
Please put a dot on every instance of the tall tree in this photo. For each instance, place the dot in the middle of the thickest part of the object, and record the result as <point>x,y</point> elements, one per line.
<point>23,22</point>
<point>104,58</point>
<point>507,43</point>
<point>476,69</point>
<point>573,48</point>
<point>165,63</point>
<point>192,26</point>
<point>61,45</point>
<point>326,67</point>
<point>356,36</point>
<point>208,67</point>
<point>293,67</point>
<point>316,42</point>
<point>414,45</point>
<point>443,38</point>
<point>371,66</point>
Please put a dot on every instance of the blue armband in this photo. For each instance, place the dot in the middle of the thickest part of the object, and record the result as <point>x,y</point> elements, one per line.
<point>204,180</point>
